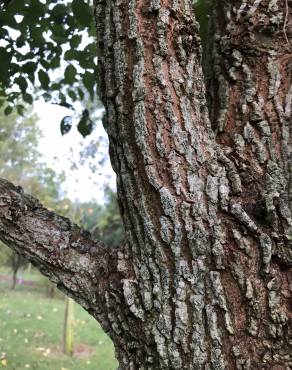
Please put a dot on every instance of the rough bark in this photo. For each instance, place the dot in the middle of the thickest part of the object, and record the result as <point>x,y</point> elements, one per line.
<point>80,266</point>
<point>250,104</point>
<point>207,212</point>
<point>204,281</point>
<point>161,150</point>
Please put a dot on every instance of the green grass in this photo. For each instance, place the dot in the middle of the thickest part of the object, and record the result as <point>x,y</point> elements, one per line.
<point>31,333</point>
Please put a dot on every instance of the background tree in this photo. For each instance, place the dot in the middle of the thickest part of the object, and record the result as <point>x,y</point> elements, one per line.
<point>203,280</point>
<point>4,255</point>
<point>68,331</point>
<point>20,159</point>
<point>21,163</point>
<point>16,262</point>
<point>103,221</point>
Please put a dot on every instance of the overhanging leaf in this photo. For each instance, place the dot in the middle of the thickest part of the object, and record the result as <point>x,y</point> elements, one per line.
<point>29,67</point>
<point>27,98</point>
<point>20,109</point>
<point>44,79</point>
<point>82,12</point>
<point>89,81</point>
<point>85,125</point>
<point>66,125</point>
<point>75,41</point>
<point>70,74</point>
<point>22,83</point>
<point>8,110</point>
<point>58,13</point>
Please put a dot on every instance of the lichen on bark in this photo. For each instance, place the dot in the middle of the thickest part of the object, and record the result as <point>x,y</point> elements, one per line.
<point>204,185</point>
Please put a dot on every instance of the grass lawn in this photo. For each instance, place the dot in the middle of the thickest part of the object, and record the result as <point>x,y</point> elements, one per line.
<point>31,333</point>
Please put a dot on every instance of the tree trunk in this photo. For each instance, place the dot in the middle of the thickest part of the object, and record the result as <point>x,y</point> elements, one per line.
<point>14,279</point>
<point>68,330</point>
<point>15,265</point>
<point>204,278</point>
<point>50,290</point>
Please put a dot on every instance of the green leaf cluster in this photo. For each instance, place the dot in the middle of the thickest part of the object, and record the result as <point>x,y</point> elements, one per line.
<point>47,49</point>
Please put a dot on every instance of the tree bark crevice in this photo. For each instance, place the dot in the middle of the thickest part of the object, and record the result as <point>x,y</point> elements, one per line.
<point>204,279</point>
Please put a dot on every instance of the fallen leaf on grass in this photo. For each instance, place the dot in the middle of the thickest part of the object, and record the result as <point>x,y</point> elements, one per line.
<point>4,362</point>
<point>45,351</point>
<point>41,349</point>
<point>38,334</point>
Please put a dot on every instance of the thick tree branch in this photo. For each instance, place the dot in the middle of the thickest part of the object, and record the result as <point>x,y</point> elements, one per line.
<point>58,248</point>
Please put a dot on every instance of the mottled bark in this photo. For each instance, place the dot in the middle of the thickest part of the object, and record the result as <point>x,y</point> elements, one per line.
<point>80,266</point>
<point>165,160</point>
<point>250,103</point>
<point>204,281</point>
<point>205,205</point>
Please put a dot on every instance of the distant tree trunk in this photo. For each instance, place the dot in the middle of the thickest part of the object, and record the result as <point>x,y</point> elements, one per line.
<point>50,290</point>
<point>68,330</point>
<point>16,261</point>
<point>14,279</point>
<point>204,278</point>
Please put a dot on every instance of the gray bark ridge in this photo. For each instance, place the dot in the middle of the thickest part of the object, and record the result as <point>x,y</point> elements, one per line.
<point>202,282</point>
<point>205,264</point>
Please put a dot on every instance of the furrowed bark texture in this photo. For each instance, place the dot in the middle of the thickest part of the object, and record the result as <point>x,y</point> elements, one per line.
<point>251,115</point>
<point>206,208</point>
<point>81,267</point>
<point>204,281</point>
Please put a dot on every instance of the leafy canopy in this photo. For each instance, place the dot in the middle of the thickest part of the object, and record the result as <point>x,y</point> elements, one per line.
<point>47,48</point>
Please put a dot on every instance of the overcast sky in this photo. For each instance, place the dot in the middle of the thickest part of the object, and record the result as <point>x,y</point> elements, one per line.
<point>60,152</point>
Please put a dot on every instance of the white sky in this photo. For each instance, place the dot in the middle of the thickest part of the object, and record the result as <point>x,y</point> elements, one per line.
<point>60,152</point>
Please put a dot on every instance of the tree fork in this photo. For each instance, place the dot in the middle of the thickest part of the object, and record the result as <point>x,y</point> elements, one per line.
<point>204,280</point>
<point>194,215</point>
